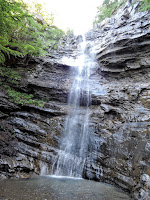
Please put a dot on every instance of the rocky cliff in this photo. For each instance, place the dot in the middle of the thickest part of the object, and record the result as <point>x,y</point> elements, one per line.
<point>119,148</point>
<point>121,121</point>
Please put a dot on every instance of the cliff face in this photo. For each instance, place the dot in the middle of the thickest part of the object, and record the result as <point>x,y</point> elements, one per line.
<point>121,122</point>
<point>119,149</point>
<point>123,40</point>
<point>29,134</point>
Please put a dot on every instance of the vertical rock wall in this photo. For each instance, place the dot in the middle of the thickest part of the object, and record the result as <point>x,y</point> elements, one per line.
<point>119,148</point>
<point>120,134</point>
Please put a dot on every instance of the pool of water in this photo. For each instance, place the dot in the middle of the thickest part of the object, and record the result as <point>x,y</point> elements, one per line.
<point>58,188</point>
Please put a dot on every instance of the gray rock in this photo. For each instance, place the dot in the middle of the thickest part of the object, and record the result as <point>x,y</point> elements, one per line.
<point>119,122</point>
<point>125,42</point>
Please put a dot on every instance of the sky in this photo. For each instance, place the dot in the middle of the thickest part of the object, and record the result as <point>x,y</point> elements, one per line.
<point>76,15</point>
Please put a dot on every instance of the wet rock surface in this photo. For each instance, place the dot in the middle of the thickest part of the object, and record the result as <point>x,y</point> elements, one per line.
<point>119,147</point>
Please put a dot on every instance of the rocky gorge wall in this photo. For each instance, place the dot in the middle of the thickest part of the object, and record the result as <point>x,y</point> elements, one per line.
<point>121,121</point>
<point>119,146</point>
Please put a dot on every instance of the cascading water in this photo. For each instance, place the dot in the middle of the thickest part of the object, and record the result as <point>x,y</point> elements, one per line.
<point>74,144</point>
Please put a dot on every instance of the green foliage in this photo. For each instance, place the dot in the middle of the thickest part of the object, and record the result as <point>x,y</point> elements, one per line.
<point>6,51</point>
<point>10,75</point>
<point>37,8</point>
<point>20,34</point>
<point>23,98</point>
<point>11,25</point>
<point>107,9</point>
<point>53,33</point>
<point>144,5</point>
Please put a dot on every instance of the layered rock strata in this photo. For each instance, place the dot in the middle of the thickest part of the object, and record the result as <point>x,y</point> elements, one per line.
<point>120,150</point>
<point>119,146</point>
<point>123,41</point>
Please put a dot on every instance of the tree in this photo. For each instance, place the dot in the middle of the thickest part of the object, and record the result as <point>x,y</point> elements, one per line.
<point>12,24</point>
<point>20,34</point>
<point>38,8</point>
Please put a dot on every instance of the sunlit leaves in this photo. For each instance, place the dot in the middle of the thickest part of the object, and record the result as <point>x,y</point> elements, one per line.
<point>20,34</point>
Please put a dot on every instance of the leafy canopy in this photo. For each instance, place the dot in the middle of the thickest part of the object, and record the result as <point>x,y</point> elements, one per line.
<point>37,8</point>
<point>20,34</point>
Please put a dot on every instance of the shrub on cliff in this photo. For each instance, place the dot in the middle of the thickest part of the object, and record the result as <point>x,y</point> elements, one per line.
<point>20,34</point>
<point>109,7</point>
<point>144,5</point>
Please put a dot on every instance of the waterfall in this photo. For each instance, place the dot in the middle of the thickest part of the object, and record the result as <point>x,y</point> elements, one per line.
<point>74,143</point>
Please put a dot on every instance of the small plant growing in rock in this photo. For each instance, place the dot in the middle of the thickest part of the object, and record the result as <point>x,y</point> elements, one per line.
<point>23,98</point>
<point>10,75</point>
